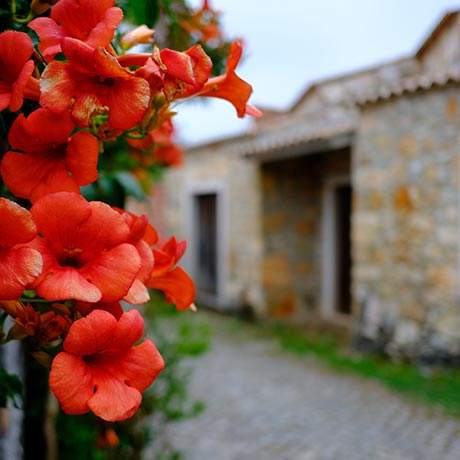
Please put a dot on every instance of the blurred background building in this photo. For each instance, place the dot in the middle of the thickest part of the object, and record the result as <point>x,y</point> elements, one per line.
<point>343,208</point>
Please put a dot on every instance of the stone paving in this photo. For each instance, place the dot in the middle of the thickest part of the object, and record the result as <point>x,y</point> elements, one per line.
<point>264,404</point>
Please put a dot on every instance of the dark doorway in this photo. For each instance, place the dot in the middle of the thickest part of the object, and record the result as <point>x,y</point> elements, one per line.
<point>343,199</point>
<point>206,243</point>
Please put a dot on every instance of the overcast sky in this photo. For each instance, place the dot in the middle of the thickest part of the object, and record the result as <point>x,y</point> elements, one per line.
<point>291,43</point>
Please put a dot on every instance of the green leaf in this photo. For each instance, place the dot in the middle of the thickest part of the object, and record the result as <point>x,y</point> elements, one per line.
<point>90,192</point>
<point>10,388</point>
<point>152,12</point>
<point>130,184</point>
<point>144,11</point>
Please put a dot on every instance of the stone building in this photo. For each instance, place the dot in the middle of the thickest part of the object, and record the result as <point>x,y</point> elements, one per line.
<point>344,209</point>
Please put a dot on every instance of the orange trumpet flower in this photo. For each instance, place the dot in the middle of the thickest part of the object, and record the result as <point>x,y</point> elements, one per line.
<point>45,158</point>
<point>16,81</point>
<point>91,83</point>
<point>101,370</point>
<point>86,251</point>
<point>93,22</point>
<point>175,283</point>
<point>19,265</point>
<point>230,86</point>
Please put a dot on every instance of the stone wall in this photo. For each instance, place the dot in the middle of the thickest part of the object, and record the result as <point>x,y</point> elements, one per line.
<point>238,178</point>
<point>406,230</point>
<point>292,230</point>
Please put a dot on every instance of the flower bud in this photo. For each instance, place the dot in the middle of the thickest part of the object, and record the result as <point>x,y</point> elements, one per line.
<point>139,35</point>
<point>109,439</point>
<point>41,6</point>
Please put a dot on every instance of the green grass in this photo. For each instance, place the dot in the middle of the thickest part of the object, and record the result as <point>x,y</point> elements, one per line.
<point>438,387</point>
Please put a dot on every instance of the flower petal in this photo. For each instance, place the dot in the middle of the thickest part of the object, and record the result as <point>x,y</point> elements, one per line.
<point>91,334</point>
<point>79,17</point>
<point>170,155</point>
<point>202,67</point>
<point>39,132</point>
<point>5,95</point>
<point>113,272</point>
<point>105,228</point>
<point>66,283</point>
<point>19,267</point>
<point>18,87</point>
<point>230,86</point>
<point>232,89</point>
<point>50,35</point>
<point>137,294</point>
<point>57,87</point>
<point>17,225</point>
<point>129,329</point>
<point>82,157</point>
<point>102,34</point>
<point>141,365</point>
<point>177,286</point>
<point>178,65</point>
<point>113,400</point>
<point>58,216</point>
<point>16,48</point>
<point>236,51</point>
<point>128,101</point>
<point>253,111</point>
<point>71,383</point>
<point>147,261</point>
<point>34,176</point>
<point>163,262</point>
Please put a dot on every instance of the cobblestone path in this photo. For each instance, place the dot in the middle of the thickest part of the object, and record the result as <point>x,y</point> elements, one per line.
<point>264,404</point>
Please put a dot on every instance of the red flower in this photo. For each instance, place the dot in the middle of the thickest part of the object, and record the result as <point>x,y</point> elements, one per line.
<point>108,439</point>
<point>142,235</point>
<point>176,284</point>
<point>27,322</point>
<point>44,327</point>
<point>150,70</point>
<point>93,22</point>
<point>16,80</point>
<point>92,82</point>
<point>177,287</point>
<point>170,155</point>
<point>50,160</point>
<point>19,265</point>
<point>178,74</point>
<point>52,327</point>
<point>186,72</point>
<point>166,150</point>
<point>230,86</point>
<point>85,248</point>
<point>100,370</point>
<point>203,24</point>
<point>158,146</point>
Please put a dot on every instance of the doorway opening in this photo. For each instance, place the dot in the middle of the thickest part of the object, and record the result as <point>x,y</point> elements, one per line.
<point>337,248</point>
<point>343,200</point>
<point>206,261</point>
